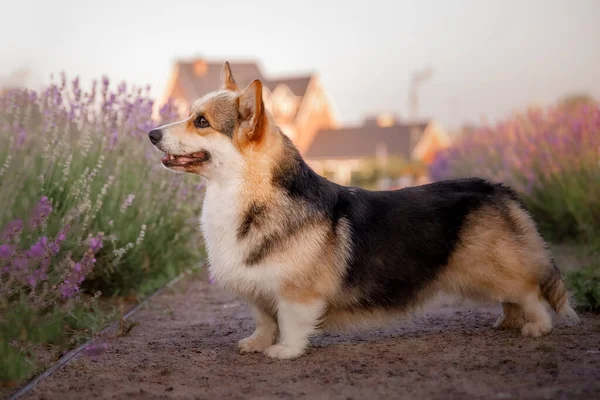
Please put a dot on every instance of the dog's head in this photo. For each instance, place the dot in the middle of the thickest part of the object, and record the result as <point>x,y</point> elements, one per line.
<point>220,126</point>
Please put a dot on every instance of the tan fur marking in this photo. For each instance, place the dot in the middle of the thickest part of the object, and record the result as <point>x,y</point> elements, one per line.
<point>260,156</point>
<point>512,317</point>
<point>190,127</point>
<point>298,294</point>
<point>492,262</point>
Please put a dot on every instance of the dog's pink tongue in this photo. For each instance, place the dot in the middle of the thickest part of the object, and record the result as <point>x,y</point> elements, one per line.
<point>182,159</point>
<point>200,154</point>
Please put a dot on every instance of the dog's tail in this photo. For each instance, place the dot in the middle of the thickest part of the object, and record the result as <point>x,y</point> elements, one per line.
<point>554,291</point>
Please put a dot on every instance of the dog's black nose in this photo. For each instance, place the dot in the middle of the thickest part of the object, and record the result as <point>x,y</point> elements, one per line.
<point>155,135</point>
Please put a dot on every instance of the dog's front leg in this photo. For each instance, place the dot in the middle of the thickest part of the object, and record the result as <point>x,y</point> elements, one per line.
<point>265,333</point>
<point>297,321</point>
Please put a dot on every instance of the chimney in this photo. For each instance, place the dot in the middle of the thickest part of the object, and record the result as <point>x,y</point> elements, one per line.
<point>386,119</point>
<point>200,67</point>
<point>382,120</point>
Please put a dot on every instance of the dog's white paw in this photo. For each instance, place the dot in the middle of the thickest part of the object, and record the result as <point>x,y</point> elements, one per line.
<point>535,329</point>
<point>284,352</point>
<point>254,344</point>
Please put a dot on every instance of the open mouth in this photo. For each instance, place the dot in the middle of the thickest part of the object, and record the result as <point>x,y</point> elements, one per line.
<point>170,160</point>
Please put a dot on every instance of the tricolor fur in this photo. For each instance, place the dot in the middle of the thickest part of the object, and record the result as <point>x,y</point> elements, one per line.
<point>309,254</point>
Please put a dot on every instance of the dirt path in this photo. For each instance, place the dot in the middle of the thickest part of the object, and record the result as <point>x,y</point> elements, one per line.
<point>184,348</point>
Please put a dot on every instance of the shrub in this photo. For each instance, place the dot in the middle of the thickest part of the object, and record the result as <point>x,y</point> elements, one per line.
<point>551,157</point>
<point>86,209</point>
<point>586,286</point>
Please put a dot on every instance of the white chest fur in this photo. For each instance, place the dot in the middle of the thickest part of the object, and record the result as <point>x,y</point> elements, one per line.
<point>222,215</point>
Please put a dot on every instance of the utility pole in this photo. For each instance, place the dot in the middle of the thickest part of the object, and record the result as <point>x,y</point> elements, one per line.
<point>418,78</point>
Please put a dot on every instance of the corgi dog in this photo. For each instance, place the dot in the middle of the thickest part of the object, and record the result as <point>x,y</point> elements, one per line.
<point>310,255</point>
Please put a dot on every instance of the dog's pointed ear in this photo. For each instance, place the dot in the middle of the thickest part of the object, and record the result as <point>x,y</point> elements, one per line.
<point>251,110</point>
<point>227,82</point>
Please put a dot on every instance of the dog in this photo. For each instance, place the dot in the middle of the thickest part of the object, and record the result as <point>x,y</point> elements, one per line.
<point>310,255</point>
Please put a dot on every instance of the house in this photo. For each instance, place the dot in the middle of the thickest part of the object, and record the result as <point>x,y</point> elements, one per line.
<point>300,105</point>
<point>338,153</point>
<point>304,111</point>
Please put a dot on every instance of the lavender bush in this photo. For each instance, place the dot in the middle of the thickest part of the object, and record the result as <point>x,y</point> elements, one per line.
<point>552,157</point>
<point>87,209</point>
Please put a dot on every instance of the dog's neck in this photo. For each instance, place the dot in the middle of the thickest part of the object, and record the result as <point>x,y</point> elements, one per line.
<point>258,164</point>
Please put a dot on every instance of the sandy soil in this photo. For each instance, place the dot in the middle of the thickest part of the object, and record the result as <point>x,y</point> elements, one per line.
<point>184,348</point>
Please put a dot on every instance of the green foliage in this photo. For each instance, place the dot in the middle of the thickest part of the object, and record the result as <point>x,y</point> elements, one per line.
<point>95,211</point>
<point>585,283</point>
<point>30,338</point>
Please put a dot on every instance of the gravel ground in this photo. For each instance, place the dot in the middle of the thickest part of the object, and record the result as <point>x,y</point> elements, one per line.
<point>184,348</point>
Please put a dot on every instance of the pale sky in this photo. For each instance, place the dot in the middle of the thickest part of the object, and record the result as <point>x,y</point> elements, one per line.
<point>489,57</point>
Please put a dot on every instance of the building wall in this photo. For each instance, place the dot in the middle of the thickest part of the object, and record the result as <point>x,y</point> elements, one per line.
<point>433,139</point>
<point>339,171</point>
<point>315,113</point>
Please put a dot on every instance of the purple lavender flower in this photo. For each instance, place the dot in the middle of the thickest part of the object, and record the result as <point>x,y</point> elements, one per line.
<point>21,137</point>
<point>54,247</point>
<point>38,249</point>
<point>168,112</point>
<point>21,263</point>
<point>71,115</point>
<point>114,136</point>
<point>12,230</point>
<point>122,88</point>
<point>33,96</point>
<point>127,202</point>
<point>68,289</point>
<point>76,89</point>
<point>92,94</point>
<point>71,284</point>
<point>526,150</point>
<point>41,212</point>
<point>6,251</point>
<point>62,235</point>
<point>96,243</point>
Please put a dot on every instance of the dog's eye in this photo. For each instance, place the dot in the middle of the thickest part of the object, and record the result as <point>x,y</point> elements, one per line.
<point>201,122</point>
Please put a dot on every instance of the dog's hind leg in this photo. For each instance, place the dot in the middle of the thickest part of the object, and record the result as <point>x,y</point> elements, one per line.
<point>265,333</point>
<point>512,317</point>
<point>537,317</point>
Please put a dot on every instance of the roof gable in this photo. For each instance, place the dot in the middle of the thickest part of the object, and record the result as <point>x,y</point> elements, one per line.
<point>197,78</point>
<point>297,85</point>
